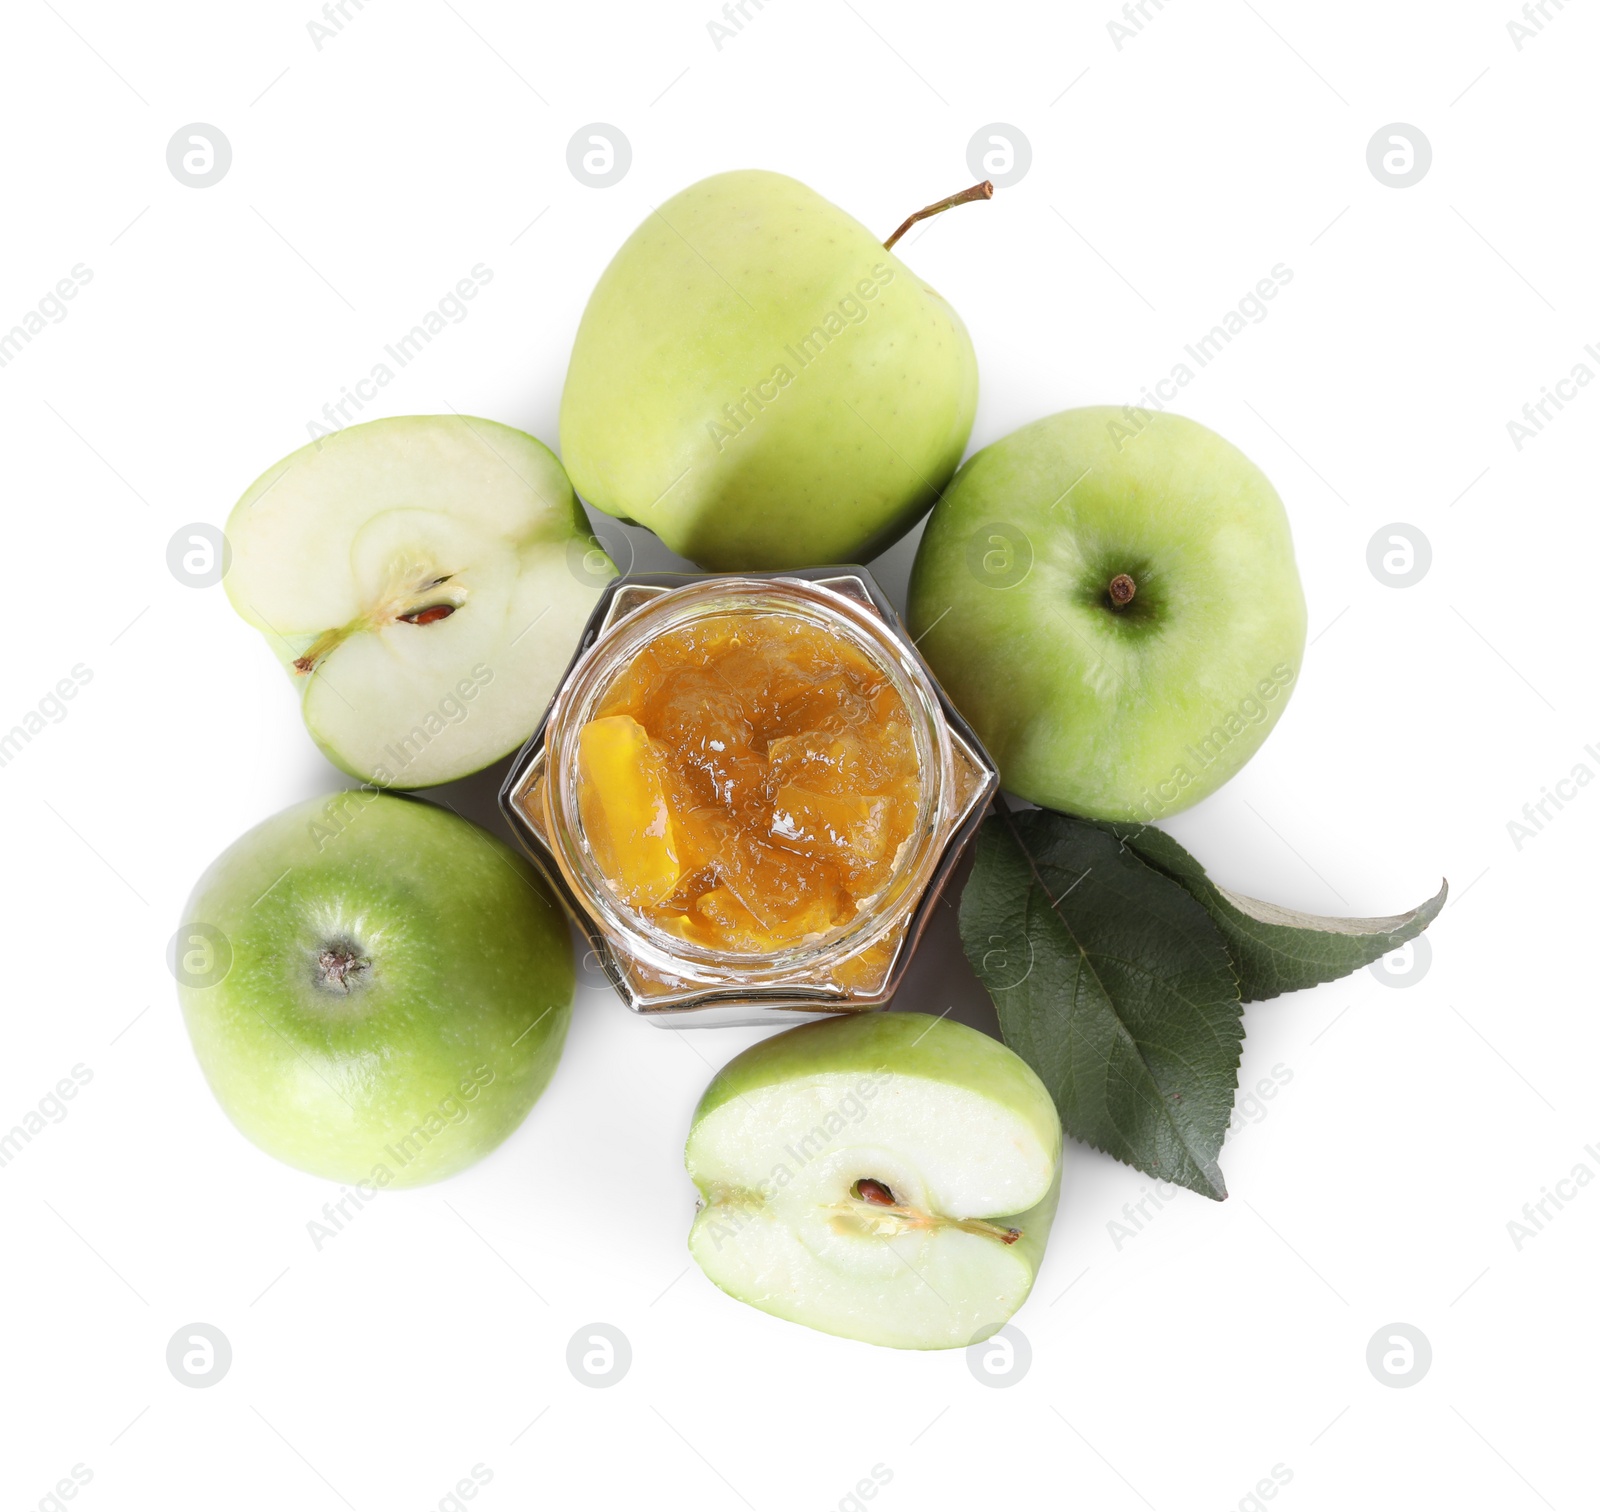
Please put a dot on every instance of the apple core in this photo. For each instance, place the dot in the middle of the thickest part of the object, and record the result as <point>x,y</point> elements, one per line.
<point>897,1217</point>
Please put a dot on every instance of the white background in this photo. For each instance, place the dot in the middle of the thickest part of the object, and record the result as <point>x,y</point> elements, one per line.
<point>1171,1372</point>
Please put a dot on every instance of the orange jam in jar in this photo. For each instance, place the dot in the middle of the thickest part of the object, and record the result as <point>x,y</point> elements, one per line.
<point>747,781</point>
<point>748,791</point>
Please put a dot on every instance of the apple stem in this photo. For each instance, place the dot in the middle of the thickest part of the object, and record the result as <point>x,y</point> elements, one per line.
<point>328,641</point>
<point>1121,590</point>
<point>984,191</point>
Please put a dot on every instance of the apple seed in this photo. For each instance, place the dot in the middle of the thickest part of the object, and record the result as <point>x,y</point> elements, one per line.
<point>872,1191</point>
<point>428,616</point>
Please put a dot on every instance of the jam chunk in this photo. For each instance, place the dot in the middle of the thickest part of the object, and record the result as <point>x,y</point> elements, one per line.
<point>624,809</point>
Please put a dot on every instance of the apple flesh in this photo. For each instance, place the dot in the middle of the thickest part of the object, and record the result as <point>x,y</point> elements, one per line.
<point>1111,599</point>
<point>763,385</point>
<point>888,1177</point>
<point>424,581</point>
<point>397,990</point>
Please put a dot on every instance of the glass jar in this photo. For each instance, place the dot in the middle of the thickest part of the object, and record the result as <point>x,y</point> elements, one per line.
<point>682,983</point>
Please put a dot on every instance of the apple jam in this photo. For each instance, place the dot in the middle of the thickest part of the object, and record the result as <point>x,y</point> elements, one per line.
<point>747,781</point>
<point>748,791</point>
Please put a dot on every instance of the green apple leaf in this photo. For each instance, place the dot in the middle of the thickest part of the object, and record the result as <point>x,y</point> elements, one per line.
<point>1275,949</point>
<point>1113,983</point>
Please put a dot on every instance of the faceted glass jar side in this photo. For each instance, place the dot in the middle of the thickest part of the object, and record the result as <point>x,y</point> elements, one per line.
<point>681,983</point>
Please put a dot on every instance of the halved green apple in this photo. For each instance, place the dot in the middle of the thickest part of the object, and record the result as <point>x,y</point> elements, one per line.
<point>423,580</point>
<point>889,1177</point>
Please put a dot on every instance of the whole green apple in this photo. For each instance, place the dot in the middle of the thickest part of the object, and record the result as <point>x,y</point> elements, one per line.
<point>423,580</point>
<point>1110,597</point>
<point>761,383</point>
<point>377,991</point>
<point>889,1177</point>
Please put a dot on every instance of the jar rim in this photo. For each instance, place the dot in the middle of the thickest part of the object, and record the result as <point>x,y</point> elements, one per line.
<point>615,649</point>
